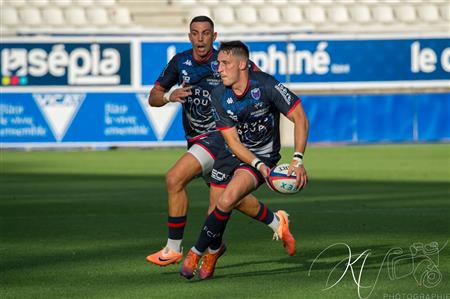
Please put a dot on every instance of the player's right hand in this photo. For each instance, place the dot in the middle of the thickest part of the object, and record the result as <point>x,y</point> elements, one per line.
<point>179,94</point>
<point>265,171</point>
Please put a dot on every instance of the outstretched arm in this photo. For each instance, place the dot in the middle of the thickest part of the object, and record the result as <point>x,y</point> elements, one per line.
<point>301,125</point>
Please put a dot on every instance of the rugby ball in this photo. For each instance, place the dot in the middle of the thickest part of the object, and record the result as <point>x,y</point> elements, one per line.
<point>279,181</point>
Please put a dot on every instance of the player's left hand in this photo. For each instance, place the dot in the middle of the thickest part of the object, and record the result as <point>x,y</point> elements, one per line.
<point>300,172</point>
<point>180,94</point>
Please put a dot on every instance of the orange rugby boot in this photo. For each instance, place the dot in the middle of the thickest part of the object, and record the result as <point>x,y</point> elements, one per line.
<point>284,234</point>
<point>209,262</point>
<point>190,265</point>
<point>165,256</point>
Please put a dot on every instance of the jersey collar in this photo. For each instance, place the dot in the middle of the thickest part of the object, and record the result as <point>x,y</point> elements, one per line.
<point>245,91</point>
<point>203,60</point>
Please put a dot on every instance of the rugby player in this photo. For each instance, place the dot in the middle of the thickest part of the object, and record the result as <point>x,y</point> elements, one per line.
<point>247,109</point>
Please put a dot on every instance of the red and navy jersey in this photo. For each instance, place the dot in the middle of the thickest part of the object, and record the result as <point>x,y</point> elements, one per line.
<point>203,77</point>
<point>255,113</point>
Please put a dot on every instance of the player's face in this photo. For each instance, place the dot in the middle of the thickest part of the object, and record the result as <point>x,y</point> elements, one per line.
<point>202,37</point>
<point>228,68</point>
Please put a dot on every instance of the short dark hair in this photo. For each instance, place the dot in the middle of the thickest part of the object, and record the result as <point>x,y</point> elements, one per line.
<point>236,47</point>
<point>202,19</point>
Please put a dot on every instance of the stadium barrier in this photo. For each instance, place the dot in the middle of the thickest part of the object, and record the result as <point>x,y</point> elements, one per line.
<point>92,91</point>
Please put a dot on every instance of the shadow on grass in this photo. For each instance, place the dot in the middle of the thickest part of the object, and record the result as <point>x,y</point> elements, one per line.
<point>306,263</point>
<point>42,208</point>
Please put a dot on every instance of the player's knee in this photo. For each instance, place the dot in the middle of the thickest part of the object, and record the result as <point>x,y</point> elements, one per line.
<point>173,181</point>
<point>225,203</point>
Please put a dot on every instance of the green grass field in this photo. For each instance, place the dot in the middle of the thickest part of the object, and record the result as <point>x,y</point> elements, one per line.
<point>78,224</point>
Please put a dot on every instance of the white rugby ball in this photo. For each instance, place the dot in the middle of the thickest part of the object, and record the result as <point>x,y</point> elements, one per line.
<point>279,181</point>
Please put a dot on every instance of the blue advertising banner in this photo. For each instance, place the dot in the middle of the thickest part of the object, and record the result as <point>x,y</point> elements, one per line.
<point>86,118</point>
<point>155,56</point>
<point>65,64</point>
<point>378,118</point>
<point>22,121</point>
<point>433,113</point>
<point>121,118</point>
<point>328,60</point>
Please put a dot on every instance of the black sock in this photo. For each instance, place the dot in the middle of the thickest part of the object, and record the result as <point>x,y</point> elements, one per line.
<point>176,227</point>
<point>264,214</point>
<point>212,230</point>
<point>215,244</point>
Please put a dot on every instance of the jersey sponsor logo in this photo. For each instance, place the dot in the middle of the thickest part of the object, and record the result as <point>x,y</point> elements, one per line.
<point>218,176</point>
<point>252,127</point>
<point>188,62</point>
<point>59,110</point>
<point>213,81</point>
<point>199,97</point>
<point>232,115</point>
<point>197,91</point>
<point>230,101</point>
<point>198,101</point>
<point>258,105</point>
<point>259,112</point>
<point>284,93</point>
<point>256,93</point>
<point>186,78</point>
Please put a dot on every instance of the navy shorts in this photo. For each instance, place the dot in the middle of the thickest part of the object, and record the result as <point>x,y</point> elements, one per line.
<point>226,164</point>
